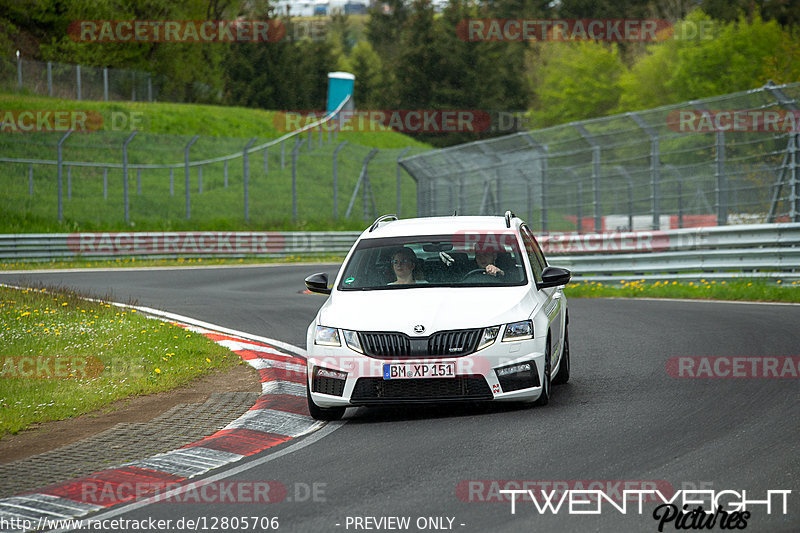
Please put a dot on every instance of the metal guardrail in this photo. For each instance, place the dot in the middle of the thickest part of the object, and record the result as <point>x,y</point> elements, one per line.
<point>759,250</point>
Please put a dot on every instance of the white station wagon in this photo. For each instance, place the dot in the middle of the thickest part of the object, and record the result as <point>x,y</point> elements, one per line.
<point>440,309</point>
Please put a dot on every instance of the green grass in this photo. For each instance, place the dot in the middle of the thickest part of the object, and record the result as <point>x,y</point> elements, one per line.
<point>165,130</point>
<point>128,262</point>
<point>63,356</point>
<point>750,290</point>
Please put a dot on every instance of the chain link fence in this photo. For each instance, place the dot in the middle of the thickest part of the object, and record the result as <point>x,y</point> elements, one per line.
<point>118,179</point>
<point>81,82</point>
<point>684,165</point>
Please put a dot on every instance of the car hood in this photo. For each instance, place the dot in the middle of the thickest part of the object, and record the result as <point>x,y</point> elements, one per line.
<point>435,308</point>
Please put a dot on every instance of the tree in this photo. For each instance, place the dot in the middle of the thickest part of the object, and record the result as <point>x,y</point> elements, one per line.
<point>737,56</point>
<point>574,81</point>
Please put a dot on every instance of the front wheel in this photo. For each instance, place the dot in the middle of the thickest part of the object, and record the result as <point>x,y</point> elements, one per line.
<point>562,376</point>
<point>544,399</point>
<point>323,413</point>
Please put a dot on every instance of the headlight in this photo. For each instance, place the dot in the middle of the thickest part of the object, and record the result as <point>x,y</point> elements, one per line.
<point>327,336</point>
<point>352,341</point>
<point>518,331</point>
<point>488,337</point>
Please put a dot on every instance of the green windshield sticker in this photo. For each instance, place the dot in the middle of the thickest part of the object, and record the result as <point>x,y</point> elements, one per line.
<point>349,280</point>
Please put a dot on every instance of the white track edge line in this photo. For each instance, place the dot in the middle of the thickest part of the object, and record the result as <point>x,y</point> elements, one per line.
<point>326,430</point>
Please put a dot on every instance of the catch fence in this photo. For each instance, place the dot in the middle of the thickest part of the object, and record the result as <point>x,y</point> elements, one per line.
<point>731,159</point>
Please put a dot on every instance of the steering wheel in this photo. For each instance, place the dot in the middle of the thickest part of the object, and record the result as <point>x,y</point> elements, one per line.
<point>473,272</point>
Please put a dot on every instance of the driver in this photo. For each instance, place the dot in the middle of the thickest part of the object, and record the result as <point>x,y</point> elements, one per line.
<point>485,258</point>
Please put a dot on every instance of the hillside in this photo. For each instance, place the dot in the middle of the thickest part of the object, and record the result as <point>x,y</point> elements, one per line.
<point>164,129</point>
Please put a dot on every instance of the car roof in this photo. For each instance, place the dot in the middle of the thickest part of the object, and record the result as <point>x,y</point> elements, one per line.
<point>440,226</point>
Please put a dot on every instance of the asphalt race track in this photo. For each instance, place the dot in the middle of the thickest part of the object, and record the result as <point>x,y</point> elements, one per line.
<point>622,417</point>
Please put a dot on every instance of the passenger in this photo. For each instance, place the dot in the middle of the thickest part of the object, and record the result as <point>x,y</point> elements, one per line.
<point>404,261</point>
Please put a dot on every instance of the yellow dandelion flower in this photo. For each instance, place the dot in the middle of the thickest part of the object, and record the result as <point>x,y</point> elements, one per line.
<point>157,370</point>
<point>207,359</point>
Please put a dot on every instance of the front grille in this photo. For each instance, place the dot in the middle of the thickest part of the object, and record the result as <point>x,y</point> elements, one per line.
<point>325,385</point>
<point>378,390</point>
<point>385,344</point>
<point>461,342</point>
<point>441,344</point>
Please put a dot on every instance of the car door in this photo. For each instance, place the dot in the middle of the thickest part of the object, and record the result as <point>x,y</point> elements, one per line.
<point>553,305</point>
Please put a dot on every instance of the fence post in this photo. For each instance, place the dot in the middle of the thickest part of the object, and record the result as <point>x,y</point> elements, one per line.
<point>30,179</point>
<point>50,79</point>
<point>78,76</point>
<point>399,172</point>
<point>794,179</point>
<point>105,183</point>
<point>200,180</point>
<point>125,175</point>
<point>246,165</point>
<point>598,217</point>
<point>19,71</point>
<point>172,182</point>
<point>69,182</point>
<point>105,84</point>
<point>225,173</point>
<point>721,181</point>
<point>60,170</point>
<point>187,185</point>
<point>543,172</point>
<point>298,143</point>
<point>361,178</point>
<point>336,179</point>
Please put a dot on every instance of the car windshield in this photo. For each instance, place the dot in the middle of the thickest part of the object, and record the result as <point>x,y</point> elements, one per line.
<point>433,261</point>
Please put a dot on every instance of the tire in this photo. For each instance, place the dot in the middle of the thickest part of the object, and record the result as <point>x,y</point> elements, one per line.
<point>562,376</point>
<point>323,413</point>
<point>547,385</point>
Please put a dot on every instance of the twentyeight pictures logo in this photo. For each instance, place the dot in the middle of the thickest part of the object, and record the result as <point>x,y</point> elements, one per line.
<point>613,30</point>
<point>178,31</point>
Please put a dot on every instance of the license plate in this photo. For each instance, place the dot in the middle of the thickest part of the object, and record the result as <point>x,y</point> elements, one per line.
<point>418,370</point>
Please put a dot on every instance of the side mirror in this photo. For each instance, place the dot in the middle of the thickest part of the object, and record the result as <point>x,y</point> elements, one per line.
<point>554,276</point>
<point>318,283</point>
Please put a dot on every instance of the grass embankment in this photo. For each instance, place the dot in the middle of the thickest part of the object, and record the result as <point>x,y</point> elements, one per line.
<point>750,290</point>
<point>63,356</point>
<point>164,130</point>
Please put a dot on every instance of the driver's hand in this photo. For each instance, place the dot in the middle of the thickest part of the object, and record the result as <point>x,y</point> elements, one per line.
<point>494,271</point>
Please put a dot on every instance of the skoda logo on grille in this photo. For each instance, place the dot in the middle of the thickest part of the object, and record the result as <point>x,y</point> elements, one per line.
<point>419,329</point>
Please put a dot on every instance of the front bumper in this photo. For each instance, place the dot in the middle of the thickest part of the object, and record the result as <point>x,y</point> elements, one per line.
<point>475,378</point>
